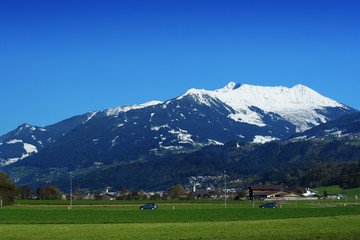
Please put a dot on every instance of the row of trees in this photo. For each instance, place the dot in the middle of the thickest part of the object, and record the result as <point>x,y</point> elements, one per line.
<point>9,192</point>
<point>174,192</point>
<point>49,193</point>
<point>44,192</point>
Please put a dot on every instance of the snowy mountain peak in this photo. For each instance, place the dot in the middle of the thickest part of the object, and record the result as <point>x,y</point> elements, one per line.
<point>230,86</point>
<point>273,98</point>
<point>198,92</point>
<point>299,105</point>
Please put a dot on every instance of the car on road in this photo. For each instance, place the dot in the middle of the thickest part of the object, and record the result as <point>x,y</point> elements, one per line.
<point>152,206</point>
<point>268,205</point>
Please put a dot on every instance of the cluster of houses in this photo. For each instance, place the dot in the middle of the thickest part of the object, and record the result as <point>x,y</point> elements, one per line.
<point>206,185</point>
<point>256,192</point>
<point>261,192</point>
<point>280,192</point>
<point>109,195</point>
<point>198,182</point>
<point>349,137</point>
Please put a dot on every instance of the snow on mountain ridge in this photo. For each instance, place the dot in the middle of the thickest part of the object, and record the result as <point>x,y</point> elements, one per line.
<point>297,104</point>
<point>90,115</point>
<point>270,98</point>
<point>29,148</point>
<point>117,110</point>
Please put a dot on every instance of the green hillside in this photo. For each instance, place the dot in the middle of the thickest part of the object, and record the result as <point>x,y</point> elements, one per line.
<point>350,193</point>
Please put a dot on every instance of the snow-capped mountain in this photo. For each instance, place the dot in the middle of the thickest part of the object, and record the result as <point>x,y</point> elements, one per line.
<point>299,105</point>
<point>197,118</point>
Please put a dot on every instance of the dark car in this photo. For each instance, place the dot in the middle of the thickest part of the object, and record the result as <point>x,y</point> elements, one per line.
<point>268,205</point>
<point>152,206</point>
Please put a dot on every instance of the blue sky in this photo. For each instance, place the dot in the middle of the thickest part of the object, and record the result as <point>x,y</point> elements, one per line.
<point>64,58</point>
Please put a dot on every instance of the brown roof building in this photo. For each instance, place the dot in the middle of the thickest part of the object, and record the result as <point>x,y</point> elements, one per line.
<point>263,191</point>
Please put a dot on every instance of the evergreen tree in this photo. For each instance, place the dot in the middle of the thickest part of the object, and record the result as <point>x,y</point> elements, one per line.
<point>325,194</point>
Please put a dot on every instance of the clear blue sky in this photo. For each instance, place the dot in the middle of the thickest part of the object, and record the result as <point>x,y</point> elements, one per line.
<point>64,58</point>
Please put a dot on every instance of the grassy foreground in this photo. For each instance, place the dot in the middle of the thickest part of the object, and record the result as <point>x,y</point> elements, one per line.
<point>165,214</point>
<point>340,227</point>
<point>303,220</point>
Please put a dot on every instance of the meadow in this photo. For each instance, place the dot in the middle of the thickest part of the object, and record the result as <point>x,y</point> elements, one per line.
<point>350,193</point>
<point>180,220</point>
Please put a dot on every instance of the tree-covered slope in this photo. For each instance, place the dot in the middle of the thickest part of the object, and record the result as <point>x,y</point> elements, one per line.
<point>302,163</point>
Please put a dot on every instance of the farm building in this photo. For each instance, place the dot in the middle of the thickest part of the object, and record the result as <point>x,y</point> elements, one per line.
<point>272,192</point>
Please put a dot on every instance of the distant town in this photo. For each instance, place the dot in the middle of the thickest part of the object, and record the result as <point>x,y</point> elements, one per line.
<point>197,187</point>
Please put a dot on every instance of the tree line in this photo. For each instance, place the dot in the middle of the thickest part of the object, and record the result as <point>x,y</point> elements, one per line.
<point>48,192</point>
<point>174,192</point>
<point>9,191</point>
<point>346,175</point>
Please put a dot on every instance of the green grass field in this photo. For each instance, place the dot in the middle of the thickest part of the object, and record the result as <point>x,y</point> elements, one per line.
<point>193,220</point>
<point>118,202</point>
<point>337,190</point>
<point>342,227</point>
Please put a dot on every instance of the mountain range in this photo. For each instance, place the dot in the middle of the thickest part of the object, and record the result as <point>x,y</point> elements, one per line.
<point>123,135</point>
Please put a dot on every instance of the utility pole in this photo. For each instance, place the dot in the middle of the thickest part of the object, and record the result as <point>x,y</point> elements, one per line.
<point>70,191</point>
<point>225,187</point>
